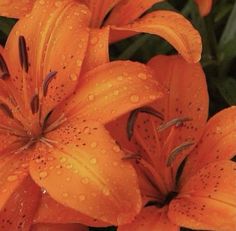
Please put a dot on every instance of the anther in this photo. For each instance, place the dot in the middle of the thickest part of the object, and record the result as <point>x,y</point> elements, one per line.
<point>34,104</point>
<point>3,66</point>
<point>23,54</point>
<point>178,122</point>
<point>51,75</point>
<point>133,117</point>
<point>6,110</point>
<point>173,154</point>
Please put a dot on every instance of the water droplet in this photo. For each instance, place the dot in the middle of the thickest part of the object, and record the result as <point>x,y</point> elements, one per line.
<point>91,97</point>
<point>73,77</point>
<point>41,2</point>
<point>69,166</point>
<point>120,77</point>
<point>58,3</point>
<point>12,178</point>
<point>62,159</point>
<point>43,174</point>
<point>116,148</point>
<point>134,98</point>
<point>85,180</point>
<point>81,197</point>
<point>93,161</point>
<point>93,145</point>
<point>87,130</point>
<point>94,40</point>
<point>106,191</point>
<point>116,92</point>
<point>142,76</point>
<point>65,194</point>
<point>78,62</point>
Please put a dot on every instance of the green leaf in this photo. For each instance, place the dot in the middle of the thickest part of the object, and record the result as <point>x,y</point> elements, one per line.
<point>227,89</point>
<point>230,29</point>
<point>6,25</point>
<point>228,51</point>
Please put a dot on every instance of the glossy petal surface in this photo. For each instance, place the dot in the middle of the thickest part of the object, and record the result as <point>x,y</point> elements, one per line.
<point>217,142</point>
<point>113,89</point>
<point>15,9</point>
<point>84,170</point>
<point>151,219</point>
<point>208,200</point>
<point>171,26</point>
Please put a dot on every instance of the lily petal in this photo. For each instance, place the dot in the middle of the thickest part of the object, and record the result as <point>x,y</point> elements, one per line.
<point>113,89</point>
<point>171,26</point>
<point>50,51</point>
<point>97,51</point>
<point>84,170</point>
<point>151,219</point>
<point>52,212</point>
<point>204,6</point>
<point>15,9</point>
<point>208,200</point>
<point>59,227</point>
<point>217,142</point>
<point>99,9</point>
<point>13,171</point>
<point>130,10</point>
<point>181,79</point>
<point>18,212</point>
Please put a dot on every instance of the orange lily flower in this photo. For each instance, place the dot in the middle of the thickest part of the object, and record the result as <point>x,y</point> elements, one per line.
<point>123,21</point>
<point>203,197</point>
<point>52,132</point>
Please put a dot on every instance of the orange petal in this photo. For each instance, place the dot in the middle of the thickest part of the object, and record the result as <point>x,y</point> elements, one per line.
<point>14,169</point>
<point>18,212</point>
<point>99,9</point>
<point>88,166</point>
<point>53,212</point>
<point>171,26</point>
<point>217,142</point>
<point>181,79</point>
<point>130,10</point>
<point>15,9</point>
<point>112,90</point>
<point>204,6</point>
<point>98,51</point>
<point>59,227</point>
<point>57,48</point>
<point>151,219</point>
<point>208,200</point>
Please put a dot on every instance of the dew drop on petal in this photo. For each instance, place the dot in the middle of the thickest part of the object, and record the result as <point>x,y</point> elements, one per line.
<point>12,178</point>
<point>85,180</point>
<point>134,98</point>
<point>116,148</point>
<point>93,145</point>
<point>41,2</point>
<point>43,174</point>
<point>81,197</point>
<point>106,191</point>
<point>65,194</point>
<point>142,76</point>
<point>93,161</point>
<point>91,97</point>
<point>73,77</point>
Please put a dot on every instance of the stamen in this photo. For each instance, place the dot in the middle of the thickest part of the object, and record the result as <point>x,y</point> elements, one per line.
<point>56,124</point>
<point>134,115</point>
<point>51,75</point>
<point>23,54</point>
<point>3,66</point>
<point>26,146</point>
<point>178,122</point>
<point>132,156</point>
<point>6,110</point>
<point>173,154</point>
<point>35,104</point>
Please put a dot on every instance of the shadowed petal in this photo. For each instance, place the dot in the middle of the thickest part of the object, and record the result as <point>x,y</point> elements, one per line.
<point>18,212</point>
<point>84,170</point>
<point>15,9</point>
<point>59,227</point>
<point>208,200</point>
<point>151,219</point>
<point>53,212</point>
<point>97,51</point>
<point>171,26</point>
